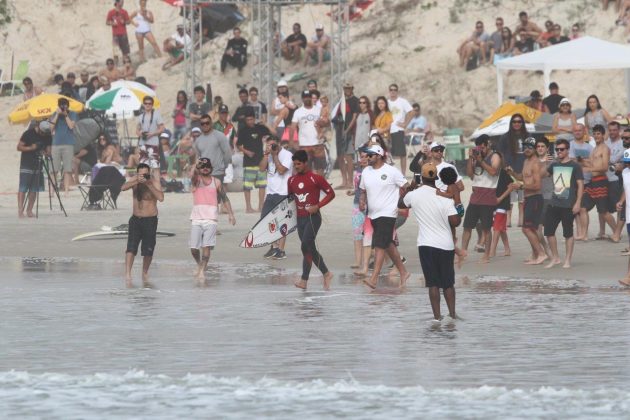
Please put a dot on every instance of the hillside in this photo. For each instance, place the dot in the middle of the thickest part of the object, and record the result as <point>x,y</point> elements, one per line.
<point>410,42</point>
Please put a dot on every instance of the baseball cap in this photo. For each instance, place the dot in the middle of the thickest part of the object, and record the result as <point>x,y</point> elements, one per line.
<point>223,109</point>
<point>626,156</point>
<point>375,149</point>
<point>529,141</point>
<point>306,94</point>
<point>203,163</point>
<point>165,135</point>
<point>180,26</point>
<point>429,171</point>
<point>565,101</point>
<point>196,130</point>
<point>435,145</point>
<point>535,94</point>
<point>319,26</point>
<point>282,83</point>
<point>348,85</point>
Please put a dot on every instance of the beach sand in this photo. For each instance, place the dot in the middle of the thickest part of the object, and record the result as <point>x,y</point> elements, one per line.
<point>595,263</point>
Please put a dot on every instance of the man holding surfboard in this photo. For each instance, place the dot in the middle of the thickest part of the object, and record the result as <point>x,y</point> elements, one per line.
<point>144,221</point>
<point>306,187</point>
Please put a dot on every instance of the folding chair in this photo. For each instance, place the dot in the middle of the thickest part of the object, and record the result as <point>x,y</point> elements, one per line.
<point>20,73</point>
<point>105,201</point>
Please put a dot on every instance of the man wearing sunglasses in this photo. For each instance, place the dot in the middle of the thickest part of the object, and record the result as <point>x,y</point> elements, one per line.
<point>150,125</point>
<point>213,144</point>
<point>533,204</point>
<point>437,157</point>
<point>568,187</point>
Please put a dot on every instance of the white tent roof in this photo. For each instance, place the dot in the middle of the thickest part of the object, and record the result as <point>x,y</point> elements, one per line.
<point>586,53</point>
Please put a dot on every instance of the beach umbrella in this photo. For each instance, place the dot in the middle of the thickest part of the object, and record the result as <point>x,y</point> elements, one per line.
<point>138,89</point>
<point>122,99</point>
<point>500,127</point>
<point>40,107</point>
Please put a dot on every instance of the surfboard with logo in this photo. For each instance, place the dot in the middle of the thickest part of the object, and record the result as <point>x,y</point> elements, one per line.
<point>108,232</point>
<point>279,222</point>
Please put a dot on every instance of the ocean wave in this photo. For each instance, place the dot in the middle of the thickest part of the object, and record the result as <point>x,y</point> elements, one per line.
<point>136,394</point>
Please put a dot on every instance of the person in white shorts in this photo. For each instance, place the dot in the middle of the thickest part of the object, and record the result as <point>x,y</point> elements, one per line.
<point>207,192</point>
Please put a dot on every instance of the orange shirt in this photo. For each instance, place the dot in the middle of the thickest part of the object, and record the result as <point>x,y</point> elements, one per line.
<point>383,121</point>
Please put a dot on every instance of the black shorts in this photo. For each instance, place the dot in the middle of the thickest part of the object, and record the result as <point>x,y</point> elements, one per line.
<point>437,266</point>
<point>123,43</point>
<point>383,232</point>
<point>271,201</point>
<point>554,216</point>
<point>142,229</point>
<point>546,204</point>
<point>398,144</point>
<point>532,211</point>
<point>479,213</point>
<point>596,195</point>
<point>622,213</point>
<point>614,194</point>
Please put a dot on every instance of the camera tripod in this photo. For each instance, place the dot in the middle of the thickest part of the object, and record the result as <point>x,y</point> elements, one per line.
<point>43,162</point>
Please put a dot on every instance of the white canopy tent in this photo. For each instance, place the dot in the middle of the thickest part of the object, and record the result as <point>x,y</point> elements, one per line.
<point>586,53</point>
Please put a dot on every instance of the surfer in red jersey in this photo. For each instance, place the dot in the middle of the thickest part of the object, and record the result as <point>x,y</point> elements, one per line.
<point>306,187</point>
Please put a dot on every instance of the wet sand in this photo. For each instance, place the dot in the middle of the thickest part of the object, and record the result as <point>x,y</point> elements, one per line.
<point>596,263</point>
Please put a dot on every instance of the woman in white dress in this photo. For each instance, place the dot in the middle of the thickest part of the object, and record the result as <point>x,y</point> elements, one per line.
<point>142,20</point>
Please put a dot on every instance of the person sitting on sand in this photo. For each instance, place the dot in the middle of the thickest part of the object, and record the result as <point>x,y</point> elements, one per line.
<point>143,223</point>
<point>293,45</point>
<point>207,192</point>
<point>235,53</point>
<point>110,72</point>
<point>318,48</point>
<point>175,46</point>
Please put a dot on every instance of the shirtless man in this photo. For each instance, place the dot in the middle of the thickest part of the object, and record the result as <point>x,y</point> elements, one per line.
<point>110,71</point>
<point>318,47</point>
<point>533,205</point>
<point>143,223</point>
<point>596,192</point>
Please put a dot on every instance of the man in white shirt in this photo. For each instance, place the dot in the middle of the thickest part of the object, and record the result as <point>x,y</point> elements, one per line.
<point>436,216</point>
<point>278,163</point>
<point>380,190</point>
<point>175,46</point>
<point>304,119</point>
<point>437,158</point>
<point>402,113</point>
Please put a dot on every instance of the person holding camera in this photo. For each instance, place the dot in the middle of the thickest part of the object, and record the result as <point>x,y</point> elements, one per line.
<point>278,163</point>
<point>63,122</point>
<point>33,142</point>
<point>143,223</point>
<point>483,169</point>
<point>150,126</point>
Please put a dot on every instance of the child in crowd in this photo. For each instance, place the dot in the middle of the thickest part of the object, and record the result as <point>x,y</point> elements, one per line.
<point>505,186</point>
<point>448,176</point>
<point>324,118</point>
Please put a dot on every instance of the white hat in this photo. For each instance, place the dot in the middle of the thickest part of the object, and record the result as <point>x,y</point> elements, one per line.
<point>319,26</point>
<point>165,135</point>
<point>195,130</point>
<point>376,149</point>
<point>282,83</point>
<point>436,144</point>
<point>565,101</point>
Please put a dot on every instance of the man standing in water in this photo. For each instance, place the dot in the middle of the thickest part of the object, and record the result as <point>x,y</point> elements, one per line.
<point>207,192</point>
<point>436,215</point>
<point>306,187</point>
<point>143,223</point>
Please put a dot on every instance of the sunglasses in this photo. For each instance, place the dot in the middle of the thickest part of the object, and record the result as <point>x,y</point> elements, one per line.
<point>438,149</point>
<point>371,155</point>
<point>148,103</point>
<point>362,102</point>
<point>529,146</point>
<point>205,123</point>
<point>561,149</point>
<point>517,122</point>
<point>625,137</point>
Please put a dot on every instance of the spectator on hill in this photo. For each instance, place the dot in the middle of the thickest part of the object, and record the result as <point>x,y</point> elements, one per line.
<point>260,109</point>
<point>531,30</point>
<point>199,107</point>
<point>93,85</point>
<point>536,102</point>
<point>557,37</point>
<point>235,53</point>
<point>71,79</point>
<point>110,71</point>
<point>553,100</point>
<point>318,48</point>
<point>58,79</point>
<point>177,46</point>
<point>118,19</point>
<point>505,47</point>
<point>623,7</point>
<point>543,39</point>
<point>521,44</point>
<point>84,86</point>
<point>575,31</point>
<point>30,91</point>
<point>477,43</point>
<point>128,71</point>
<point>142,20</point>
<point>293,45</point>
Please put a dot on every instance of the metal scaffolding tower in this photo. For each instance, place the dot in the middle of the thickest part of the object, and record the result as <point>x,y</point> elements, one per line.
<point>266,63</point>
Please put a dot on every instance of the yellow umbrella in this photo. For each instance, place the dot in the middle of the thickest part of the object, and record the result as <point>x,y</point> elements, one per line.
<point>530,114</point>
<point>40,107</point>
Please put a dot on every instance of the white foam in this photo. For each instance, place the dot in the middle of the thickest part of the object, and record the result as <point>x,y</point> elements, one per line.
<point>140,395</point>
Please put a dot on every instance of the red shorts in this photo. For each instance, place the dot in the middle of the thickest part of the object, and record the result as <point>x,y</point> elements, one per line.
<point>499,224</point>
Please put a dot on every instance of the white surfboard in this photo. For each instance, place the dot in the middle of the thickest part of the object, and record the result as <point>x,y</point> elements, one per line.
<point>279,222</point>
<point>108,232</point>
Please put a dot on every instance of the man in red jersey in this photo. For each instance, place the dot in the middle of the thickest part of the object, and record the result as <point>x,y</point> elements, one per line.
<point>306,187</point>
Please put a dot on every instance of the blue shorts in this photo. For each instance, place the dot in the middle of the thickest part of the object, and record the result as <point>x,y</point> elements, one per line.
<point>29,183</point>
<point>254,177</point>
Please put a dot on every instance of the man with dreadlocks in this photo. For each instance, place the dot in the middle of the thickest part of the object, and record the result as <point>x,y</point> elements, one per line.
<point>143,223</point>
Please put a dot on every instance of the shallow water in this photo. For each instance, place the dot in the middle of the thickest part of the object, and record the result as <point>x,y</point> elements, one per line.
<point>74,343</point>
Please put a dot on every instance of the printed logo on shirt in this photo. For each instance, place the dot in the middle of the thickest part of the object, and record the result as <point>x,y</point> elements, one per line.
<point>301,185</point>
<point>302,197</point>
<point>384,177</point>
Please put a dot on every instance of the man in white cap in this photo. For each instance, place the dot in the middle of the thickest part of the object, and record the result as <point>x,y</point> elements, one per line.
<point>380,190</point>
<point>318,48</point>
<point>436,155</point>
<point>175,46</point>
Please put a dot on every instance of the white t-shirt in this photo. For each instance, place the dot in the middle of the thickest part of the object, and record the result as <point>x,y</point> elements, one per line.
<point>184,40</point>
<point>382,188</point>
<point>277,183</point>
<point>399,109</point>
<point>305,118</point>
<point>432,211</point>
<point>625,175</point>
<point>438,182</point>
<point>277,105</point>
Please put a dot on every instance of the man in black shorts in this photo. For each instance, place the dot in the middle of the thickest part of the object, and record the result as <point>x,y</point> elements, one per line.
<point>483,168</point>
<point>143,223</point>
<point>568,187</point>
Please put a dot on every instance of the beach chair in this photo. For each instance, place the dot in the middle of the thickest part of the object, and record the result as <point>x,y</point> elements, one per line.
<point>20,73</point>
